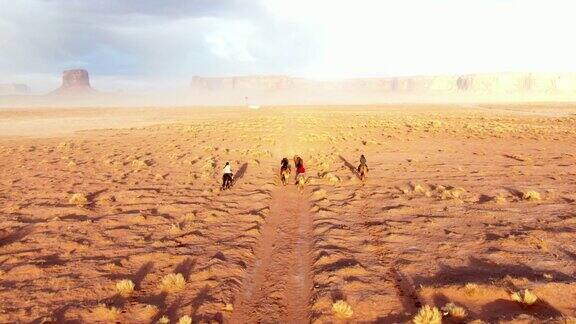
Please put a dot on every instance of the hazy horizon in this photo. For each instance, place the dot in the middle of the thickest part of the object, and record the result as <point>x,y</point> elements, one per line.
<point>138,45</point>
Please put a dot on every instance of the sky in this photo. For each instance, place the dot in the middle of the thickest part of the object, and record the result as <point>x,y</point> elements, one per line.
<point>161,44</point>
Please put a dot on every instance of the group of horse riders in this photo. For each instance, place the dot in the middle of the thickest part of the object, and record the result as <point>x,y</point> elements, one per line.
<point>285,170</point>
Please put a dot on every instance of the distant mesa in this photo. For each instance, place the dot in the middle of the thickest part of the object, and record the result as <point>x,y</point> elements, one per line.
<point>14,89</point>
<point>75,82</point>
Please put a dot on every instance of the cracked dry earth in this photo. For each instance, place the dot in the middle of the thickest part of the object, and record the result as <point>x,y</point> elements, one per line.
<point>445,204</point>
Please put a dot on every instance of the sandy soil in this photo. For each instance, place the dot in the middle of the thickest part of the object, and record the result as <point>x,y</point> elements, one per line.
<point>445,205</point>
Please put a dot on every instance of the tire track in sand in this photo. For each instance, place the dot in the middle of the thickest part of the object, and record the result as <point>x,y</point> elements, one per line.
<point>278,285</point>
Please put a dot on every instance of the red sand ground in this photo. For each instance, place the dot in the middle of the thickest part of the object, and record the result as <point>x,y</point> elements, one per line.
<point>443,206</point>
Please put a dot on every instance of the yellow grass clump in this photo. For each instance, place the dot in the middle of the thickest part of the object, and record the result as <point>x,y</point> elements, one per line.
<point>471,289</point>
<point>139,165</point>
<point>566,320</point>
<point>125,287</point>
<point>185,320</point>
<point>228,307</point>
<point>108,314</point>
<point>78,199</point>
<point>331,178</point>
<point>499,199</point>
<point>319,194</point>
<point>419,189</point>
<point>454,193</point>
<point>428,315</point>
<point>173,282</point>
<point>149,311</point>
<point>531,195</point>
<point>524,297</point>
<point>342,309</point>
<point>163,320</point>
<point>455,311</point>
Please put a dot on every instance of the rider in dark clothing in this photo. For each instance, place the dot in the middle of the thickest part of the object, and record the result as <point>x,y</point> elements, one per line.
<point>362,162</point>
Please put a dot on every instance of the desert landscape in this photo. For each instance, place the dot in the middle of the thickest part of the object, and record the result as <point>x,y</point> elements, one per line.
<point>111,215</point>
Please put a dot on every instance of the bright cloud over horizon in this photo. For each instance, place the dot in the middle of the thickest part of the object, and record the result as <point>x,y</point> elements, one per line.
<point>139,44</point>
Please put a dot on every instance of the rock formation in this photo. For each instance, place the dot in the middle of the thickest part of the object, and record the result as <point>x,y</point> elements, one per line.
<point>14,89</point>
<point>449,88</point>
<point>74,82</point>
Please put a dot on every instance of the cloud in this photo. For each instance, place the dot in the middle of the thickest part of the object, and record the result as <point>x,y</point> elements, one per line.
<point>145,38</point>
<point>135,40</point>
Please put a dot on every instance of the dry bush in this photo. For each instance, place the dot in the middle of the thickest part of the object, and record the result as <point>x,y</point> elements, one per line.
<point>566,320</point>
<point>331,178</point>
<point>318,195</point>
<point>149,311</point>
<point>139,165</point>
<point>524,297</point>
<point>108,314</point>
<point>531,195</point>
<point>342,309</point>
<point>228,307</point>
<point>471,289</point>
<point>173,282</point>
<point>185,320</point>
<point>78,199</point>
<point>125,287</point>
<point>455,311</point>
<point>419,189</point>
<point>428,315</point>
<point>454,193</point>
<point>499,199</point>
<point>163,320</point>
<point>65,146</point>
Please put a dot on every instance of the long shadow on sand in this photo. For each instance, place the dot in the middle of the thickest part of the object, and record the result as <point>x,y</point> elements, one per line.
<point>16,235</point>
<point>349,165</point>
<point>240,173</point>
<point>485,271</point>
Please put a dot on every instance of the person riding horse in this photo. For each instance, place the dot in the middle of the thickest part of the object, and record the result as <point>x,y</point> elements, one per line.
<point>362,168</point>
<point>285,170</point>
<point>227,176</point>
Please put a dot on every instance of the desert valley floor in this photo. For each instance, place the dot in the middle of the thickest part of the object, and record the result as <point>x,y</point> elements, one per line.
<point>462,205</point>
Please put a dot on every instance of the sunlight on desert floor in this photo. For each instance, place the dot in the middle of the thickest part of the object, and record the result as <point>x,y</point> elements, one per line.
<point>462,205</point>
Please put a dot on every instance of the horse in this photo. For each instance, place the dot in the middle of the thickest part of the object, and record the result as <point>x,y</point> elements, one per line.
<point>301,182</point>
<point>285,171</point>
<point>227,181</point>
<point>363,172</point>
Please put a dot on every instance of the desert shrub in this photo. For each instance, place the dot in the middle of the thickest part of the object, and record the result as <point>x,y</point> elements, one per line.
<point>342,309</point>
<point>185,320</point>
<point>149,311</point>
<point>428,315</point>
<point>471,289</point>
<point>79,200</point>
<point>331,178</point>
<point>319,194</point>
<point>524,297</point>
<point>227,307</point>
<point>163,320</point>
<point>139,165</point>
<point>419,189</point>
<point>108,314</point>
<point>499,199</point>
<point>173,282</point>
<point>566,320</point>
<point>531,195</point>
<point>454,193</point>
<point>125,287</point>
<point>455,311</point>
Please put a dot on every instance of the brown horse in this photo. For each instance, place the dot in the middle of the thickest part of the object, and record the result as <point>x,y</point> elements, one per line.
<point>363,172</point>
<point>301,183</point>
<point>285,171</point>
